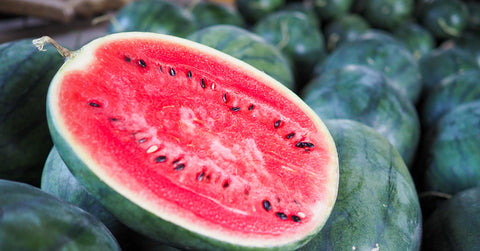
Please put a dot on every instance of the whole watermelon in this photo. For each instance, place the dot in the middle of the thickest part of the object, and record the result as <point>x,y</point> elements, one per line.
<point>365,95</point>
<point>25,74</point>
<point>377,207</point>
<point>32,219</point>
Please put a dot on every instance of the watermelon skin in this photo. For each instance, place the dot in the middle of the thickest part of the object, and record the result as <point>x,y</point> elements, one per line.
<point>374,103</point>
<point>35,220</point>
<point>377,206</point>
<point>254,10</point>
<point>454,225</point>
<point>458,89</point>
<point>248,47</point>
<point>212,13</point>
<point>383,53</point>
<point>343,29</point>
<point>450,154</point>
<point>468,41</point>
<point>286,30</point>
<point>160,16</point>
<point>416,38</point>
<point>443,18</point>
<point>145,221</point>
<point>329,10</point>
<point>25,74</point>
<point>443,62</point>
<point>388,14</point>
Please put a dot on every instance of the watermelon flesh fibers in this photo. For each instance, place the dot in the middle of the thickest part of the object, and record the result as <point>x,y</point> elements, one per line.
<point>195,137</point>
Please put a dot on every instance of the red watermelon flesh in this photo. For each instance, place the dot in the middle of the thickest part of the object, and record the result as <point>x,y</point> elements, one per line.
<point>197,138</point>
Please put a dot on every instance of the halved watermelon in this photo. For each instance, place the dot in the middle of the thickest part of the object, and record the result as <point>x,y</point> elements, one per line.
<point>191,146</point>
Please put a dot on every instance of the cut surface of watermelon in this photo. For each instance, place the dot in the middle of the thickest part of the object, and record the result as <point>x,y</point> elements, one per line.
<point>194,137</point>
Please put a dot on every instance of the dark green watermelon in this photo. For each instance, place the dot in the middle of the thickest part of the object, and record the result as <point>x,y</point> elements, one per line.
<point>160,16</point>
<point>377,207</point>
<point>388,14</point>
<point>25,74</point>
<point>416,38</point>
<point>248,47</point>
<point>343,29</point>
<point>468,41</point>
<point>384,53</point>
<point>443,18</point>
<point>305,7</point>
<point>212,13</point>
<point>454,225</point>
<point>458,89</point>
<point>365,95</point>
<point>441,63</point>
<point>473,23</point>
<point>31,219</point>
<point>254,10</point>
<point>328,10</point>
<point>286,30</point>
<point>450,150</point>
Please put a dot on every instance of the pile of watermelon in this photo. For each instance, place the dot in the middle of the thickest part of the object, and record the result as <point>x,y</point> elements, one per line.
<point>247,125</point>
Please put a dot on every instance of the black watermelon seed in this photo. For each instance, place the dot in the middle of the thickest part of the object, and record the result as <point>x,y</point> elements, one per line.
<point>290,135</point>
<point>179,167</point>
<point>266,205</point>
<point>303,144</point>
<point>142,63</point>
<point>142,140</point>
<point>160,68</point>
<point>251,107</point>
<point>235,108</point>
<point>127,59</point>
<point>113,119</point>
<point>202,83</point>
<point>281,215</point>
<point>160,158</point>
<point>277,123</point>
<point>172,72</point>
<point>94,104</point>
<point>296,218</point>
<point>175,161</point>
<point>226,184</point>
<point>189,74</point>
<point>200,176</point>
<point>224,98</point>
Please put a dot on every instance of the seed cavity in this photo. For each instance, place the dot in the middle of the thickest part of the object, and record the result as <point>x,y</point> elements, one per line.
<point>113,119</point>
<point>189,74</point>
<point>302,215</point>
<point>202,83</point>
<point>303,144</point>
<point>296,218</point>
<point>172,72</point>
<point>142,63</point>
<point>281,215</point>
<point>250,108</point>
<point>94,104</point>
<point>224,98</point>
<point>277,123</point>
<point>235,108</point>
<point>179,167</point>
<point>127,59</point>
<point>161,158</point>
<point>151,149</point>
<point>266,205</point>
<point>290,135</point>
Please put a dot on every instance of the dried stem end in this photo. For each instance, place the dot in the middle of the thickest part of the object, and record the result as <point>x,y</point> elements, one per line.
<point>40,43</point>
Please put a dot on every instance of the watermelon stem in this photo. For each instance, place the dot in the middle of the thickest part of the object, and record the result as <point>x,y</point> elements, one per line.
<point>40,43</point>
